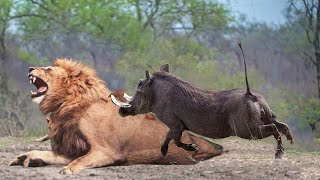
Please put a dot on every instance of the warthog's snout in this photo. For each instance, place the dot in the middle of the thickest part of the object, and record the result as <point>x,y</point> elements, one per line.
<point>126,112</point>
<point>123,100</point>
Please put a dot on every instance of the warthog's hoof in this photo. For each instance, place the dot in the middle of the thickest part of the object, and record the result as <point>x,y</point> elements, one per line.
<point>290,138</point>
<point>191,147</point>
<point>279,154</point>
<point>291,141</point>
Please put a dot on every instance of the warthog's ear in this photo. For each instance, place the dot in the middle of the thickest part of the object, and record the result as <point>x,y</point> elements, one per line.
<point>148,75</point>
<point>313,126</point>
<point>165,68</point>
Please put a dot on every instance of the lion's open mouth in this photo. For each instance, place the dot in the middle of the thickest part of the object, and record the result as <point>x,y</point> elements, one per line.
<point>42,86</point>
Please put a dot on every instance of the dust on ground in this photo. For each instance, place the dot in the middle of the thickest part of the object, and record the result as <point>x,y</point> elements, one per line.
<point>244,160</point>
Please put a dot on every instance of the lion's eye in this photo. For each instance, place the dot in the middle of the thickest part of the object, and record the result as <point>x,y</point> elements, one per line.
<point>49,69</point>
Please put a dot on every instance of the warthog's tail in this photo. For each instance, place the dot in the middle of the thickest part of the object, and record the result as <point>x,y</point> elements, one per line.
<point>246,75</point>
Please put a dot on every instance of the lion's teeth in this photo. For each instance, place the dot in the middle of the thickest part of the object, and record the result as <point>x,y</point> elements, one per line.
<point>33,93</point>
<point>34,79</point>
<point>30,81</point>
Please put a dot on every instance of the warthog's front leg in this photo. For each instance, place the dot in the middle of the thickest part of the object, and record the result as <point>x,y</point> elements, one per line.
<point>96,157</point>
<point>176,136</point>
<point>38,158</point>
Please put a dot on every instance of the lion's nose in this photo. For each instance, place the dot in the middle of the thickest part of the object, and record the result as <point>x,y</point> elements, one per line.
<point>31,69</point>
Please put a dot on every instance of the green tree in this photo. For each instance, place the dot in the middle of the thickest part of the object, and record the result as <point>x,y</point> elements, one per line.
<point>187,59</point>
<point>307,13</point>
<point>5,18</point>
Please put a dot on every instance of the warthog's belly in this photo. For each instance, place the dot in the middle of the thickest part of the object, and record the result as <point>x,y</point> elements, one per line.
<point>210,127</point>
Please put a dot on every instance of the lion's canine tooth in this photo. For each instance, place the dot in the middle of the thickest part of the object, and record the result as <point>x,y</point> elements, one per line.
<point>34,79</point>
<point>34,93</point>
<point>30,81</point>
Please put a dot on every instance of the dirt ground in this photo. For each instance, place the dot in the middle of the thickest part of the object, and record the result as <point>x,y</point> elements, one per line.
<point>244,160</point>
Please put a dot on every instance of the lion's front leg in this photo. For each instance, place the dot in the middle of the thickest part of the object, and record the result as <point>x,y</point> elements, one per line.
<point>38,158</point>
<point>94,158</point>
<point>42,139</point>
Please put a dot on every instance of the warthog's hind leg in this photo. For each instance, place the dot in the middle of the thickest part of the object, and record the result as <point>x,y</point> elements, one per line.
<point>268,130</point>
<point>283,128</point>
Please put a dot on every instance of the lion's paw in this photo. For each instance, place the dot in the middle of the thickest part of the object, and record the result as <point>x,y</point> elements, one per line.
<point>69,170</point>
<point>27,160</point>
<point>18,161</point>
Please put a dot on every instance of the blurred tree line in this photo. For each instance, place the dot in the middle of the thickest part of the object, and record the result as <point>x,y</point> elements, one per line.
<point>121,39</point>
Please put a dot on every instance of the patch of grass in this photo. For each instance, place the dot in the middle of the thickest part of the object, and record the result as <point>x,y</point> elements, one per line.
<point>316,153</point>
<point>298,145</point>
<point>293,152</point>
<point>5,142</point>
<point>37,132</point>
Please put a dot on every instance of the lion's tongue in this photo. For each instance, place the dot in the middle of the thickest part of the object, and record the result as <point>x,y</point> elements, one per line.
<point>42,89</point>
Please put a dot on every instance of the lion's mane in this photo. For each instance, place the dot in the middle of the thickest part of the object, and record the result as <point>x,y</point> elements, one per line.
<point>67,98</point>
<point>75,92</point>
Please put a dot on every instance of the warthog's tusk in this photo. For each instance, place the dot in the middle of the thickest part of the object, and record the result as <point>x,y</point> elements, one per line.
<point>119,103</point>
<point>127,97</point>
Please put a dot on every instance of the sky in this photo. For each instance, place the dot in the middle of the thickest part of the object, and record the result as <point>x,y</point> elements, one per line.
<point>269,11</point>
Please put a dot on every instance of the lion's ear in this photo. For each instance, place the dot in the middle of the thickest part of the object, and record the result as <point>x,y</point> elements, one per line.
<point>76,73</point>
<point>66,81</point>
<point>48,121</point>
<point>89,82</point>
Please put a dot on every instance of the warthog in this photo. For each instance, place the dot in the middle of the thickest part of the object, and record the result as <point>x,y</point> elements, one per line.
<point>214,114</point>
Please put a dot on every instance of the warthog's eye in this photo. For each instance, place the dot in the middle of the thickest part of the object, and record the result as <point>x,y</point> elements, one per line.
<point>140,84</point>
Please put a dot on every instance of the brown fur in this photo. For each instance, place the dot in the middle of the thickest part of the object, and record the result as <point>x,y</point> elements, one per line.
<point>74,91</point>
<point>86,130</point>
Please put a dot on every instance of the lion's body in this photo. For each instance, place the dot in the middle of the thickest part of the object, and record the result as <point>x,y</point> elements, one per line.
<point>86,130</point>
<point>132,137</point>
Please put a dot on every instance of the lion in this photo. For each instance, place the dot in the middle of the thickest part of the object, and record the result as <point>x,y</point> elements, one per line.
<point>86,130</point>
